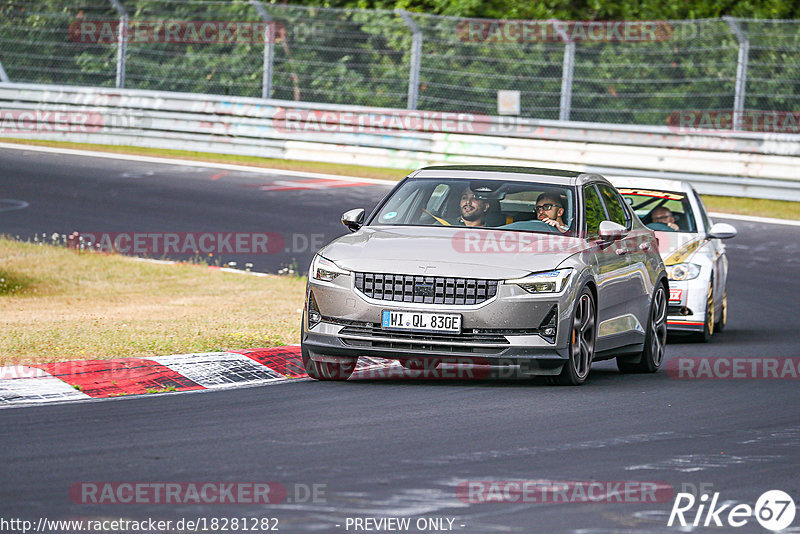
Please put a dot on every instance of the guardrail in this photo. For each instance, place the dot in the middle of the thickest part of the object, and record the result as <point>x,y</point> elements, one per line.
<point>756,165</point>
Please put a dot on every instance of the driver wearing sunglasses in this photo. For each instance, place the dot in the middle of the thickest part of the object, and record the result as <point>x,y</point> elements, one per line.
<point>550,211</point>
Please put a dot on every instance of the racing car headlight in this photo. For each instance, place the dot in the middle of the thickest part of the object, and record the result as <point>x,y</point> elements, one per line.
<point>547,282</point>
<point>325,270</point>
<point>683,271</point>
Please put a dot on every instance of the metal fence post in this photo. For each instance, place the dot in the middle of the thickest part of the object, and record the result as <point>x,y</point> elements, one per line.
<point>740,89</point>
<point>566,81</point>
<point>3,76</point>
<point>122,42</point>
<point>269,49</point>
<point>416,57</point>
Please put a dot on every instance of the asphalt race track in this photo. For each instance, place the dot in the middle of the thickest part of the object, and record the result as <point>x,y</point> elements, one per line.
<point>392,447</point>
<point>110,196</point>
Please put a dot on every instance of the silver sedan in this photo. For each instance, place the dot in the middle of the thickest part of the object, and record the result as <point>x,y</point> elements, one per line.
<point>541,269</point>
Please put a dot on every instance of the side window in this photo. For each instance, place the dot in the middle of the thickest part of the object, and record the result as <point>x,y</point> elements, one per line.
<point>593,207</point>
<point>703,213</point>
<point>616,211</point>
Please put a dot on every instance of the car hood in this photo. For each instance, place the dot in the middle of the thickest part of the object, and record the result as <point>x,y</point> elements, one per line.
<point>457,252</point>
<point>677,247</point>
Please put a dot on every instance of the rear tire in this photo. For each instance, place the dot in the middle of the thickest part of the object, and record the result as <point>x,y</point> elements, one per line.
<point>583,335</point>
<point>655,339</point>
<point>327,370</point>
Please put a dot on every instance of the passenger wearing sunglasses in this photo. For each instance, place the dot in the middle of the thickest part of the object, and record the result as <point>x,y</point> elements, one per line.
<point>550,211</point>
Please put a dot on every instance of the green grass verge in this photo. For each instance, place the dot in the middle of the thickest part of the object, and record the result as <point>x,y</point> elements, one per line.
<point>779,209</point>
<point>742,206</point>
<point>57,304</point>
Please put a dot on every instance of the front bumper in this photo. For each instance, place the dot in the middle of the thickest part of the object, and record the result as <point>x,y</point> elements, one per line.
<point>506,329</point>
<point>688,312</point>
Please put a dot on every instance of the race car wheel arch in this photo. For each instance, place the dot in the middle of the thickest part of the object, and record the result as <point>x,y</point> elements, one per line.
<point>656,336</point>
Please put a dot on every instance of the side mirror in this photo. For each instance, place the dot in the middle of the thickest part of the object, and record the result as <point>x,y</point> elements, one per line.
<point>353,219</point>
<point>611,231</point>
<point>722,231</point>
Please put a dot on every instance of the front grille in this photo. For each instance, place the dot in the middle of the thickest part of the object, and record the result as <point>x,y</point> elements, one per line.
<point>425,289</point>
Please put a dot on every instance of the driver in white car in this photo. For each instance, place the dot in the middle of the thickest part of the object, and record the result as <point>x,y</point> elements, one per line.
<point>664,215</point>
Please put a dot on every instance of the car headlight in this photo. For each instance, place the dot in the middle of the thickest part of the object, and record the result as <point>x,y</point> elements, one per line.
<point>683,271</point>
<point>547,282</point>
<point>325,270</point>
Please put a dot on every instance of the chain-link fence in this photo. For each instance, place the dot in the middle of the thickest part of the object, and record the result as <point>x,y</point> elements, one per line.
<point>622,72</point>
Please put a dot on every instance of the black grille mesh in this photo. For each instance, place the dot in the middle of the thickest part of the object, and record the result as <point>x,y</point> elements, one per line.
<point>425,289</point>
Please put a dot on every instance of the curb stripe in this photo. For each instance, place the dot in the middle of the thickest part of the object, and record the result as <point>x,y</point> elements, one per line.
<point>113,378</point>
<point>21,383</point>
<point>285,361</point>
<point>83,380</point>
<point>218,369</point>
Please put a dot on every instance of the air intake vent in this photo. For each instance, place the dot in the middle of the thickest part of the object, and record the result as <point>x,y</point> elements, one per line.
<point>425,289</point>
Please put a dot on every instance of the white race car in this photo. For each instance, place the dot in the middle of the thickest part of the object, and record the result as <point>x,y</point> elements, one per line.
<point>692,250</point>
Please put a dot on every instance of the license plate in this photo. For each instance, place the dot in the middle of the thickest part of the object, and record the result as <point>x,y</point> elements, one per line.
<point>675,295</point>
<point>427,322</point>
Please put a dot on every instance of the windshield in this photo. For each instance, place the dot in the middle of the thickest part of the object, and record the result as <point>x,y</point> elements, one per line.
<point>663,211</point>
<point>496,204</point>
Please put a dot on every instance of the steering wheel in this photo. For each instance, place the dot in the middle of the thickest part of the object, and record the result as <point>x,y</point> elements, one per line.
<point>659,227</point>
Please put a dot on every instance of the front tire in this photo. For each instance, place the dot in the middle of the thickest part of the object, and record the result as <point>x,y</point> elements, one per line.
<point>709,322</point>
<point>583,335</point>
<point>655,340</point>
<point>326,370</point>
<point>722,320</point>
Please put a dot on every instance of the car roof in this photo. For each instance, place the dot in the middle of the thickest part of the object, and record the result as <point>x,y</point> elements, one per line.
<point>511,173</point>
<point>650,183</point>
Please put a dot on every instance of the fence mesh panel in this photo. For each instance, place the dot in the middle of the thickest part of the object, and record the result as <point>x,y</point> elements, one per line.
<point>463,68</point>
<point>364,57</point>
<point>773,76</point>
<point>37,45</point>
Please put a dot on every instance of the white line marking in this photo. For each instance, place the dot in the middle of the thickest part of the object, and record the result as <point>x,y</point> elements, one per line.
<point>751,218</point>
<point>191,163</point>
<point>223,269</point>
<point>7,204</point>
